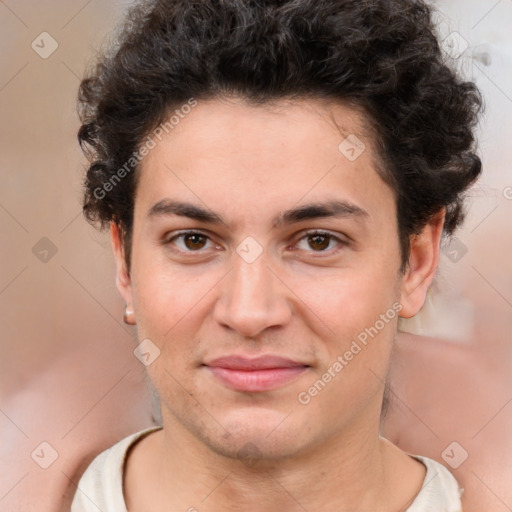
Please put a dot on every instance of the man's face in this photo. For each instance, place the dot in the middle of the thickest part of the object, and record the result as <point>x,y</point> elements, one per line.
<point>257,284</point>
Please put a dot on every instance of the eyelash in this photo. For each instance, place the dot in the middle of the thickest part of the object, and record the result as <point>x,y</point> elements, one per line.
<point>341,243</point>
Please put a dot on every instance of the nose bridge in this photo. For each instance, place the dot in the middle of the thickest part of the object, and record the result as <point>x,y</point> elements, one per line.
<point>251,299</point>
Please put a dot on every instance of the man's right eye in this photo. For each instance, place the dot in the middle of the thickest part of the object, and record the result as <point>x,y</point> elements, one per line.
<point>189,241</point>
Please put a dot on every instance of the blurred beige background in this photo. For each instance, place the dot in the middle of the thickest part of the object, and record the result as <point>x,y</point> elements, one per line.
<point>68,376</point>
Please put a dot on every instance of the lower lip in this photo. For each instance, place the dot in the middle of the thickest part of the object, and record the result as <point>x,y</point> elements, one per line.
<point>256,380</point>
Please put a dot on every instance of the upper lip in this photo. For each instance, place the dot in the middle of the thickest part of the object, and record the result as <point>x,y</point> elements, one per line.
<point>235,362</point>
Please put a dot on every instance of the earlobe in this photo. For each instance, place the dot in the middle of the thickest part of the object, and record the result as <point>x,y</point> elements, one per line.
<point>422,266</point>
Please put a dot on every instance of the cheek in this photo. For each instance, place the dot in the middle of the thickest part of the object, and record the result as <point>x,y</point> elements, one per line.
<point>348,299</point>
<point>361,316</point>
<point>168,308</point>
<point>356,332</point>
<point>171,306</point>
<point>165,293</point>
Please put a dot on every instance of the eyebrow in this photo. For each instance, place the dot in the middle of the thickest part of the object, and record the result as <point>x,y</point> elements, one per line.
<point>333,208</point>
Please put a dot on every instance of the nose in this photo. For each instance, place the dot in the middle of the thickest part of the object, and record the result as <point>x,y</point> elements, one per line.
<point>252,298</point>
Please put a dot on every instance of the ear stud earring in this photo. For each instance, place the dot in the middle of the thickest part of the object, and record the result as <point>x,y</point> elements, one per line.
<point>129,316</point>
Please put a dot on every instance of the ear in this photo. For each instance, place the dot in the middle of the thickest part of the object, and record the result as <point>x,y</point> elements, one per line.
<point>123,280</point>
<point>423,262</point>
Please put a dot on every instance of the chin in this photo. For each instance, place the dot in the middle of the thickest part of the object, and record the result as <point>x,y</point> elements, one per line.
<point>255,450</point>
<point>260,434</point>
<point>246,432</point>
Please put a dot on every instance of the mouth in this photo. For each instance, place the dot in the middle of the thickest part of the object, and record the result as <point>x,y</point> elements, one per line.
<point>259,374</point>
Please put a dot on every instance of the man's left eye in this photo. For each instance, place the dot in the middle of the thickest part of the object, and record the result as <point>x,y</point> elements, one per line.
<point>319,241</point>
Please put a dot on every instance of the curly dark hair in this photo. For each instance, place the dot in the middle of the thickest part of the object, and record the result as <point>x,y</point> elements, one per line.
<point>380,56</point>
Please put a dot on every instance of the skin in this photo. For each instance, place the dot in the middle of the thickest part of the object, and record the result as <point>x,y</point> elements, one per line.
<point>303,298</point>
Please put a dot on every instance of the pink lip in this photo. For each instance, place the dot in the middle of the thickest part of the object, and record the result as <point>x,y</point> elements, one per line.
<point>259,374</point>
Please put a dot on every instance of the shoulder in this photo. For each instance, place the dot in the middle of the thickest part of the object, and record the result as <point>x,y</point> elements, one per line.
<point>440,491</point>
<point>101,486</point>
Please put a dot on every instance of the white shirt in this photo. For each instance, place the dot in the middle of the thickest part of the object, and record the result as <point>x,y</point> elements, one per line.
<point>101,487</point>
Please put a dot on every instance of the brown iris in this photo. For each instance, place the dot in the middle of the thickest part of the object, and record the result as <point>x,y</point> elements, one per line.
<point>321,241</point>
<point>194,241</point>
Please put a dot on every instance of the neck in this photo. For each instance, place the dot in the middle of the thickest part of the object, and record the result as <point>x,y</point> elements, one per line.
<point>349,472</point>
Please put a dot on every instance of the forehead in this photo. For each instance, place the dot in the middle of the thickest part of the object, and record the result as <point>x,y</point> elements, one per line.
<point>264,156</point>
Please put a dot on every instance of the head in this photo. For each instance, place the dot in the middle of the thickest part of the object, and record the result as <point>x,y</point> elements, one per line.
<point>277,178</point>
